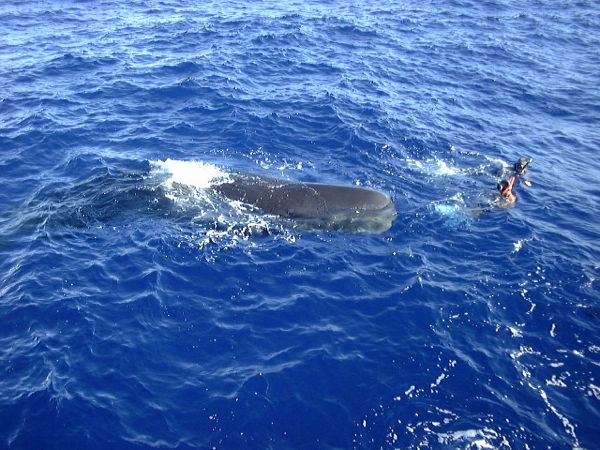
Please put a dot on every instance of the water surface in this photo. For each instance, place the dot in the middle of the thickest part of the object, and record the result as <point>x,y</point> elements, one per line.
<point>140,310</point>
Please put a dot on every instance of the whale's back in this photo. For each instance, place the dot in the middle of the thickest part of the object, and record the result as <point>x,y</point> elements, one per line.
<point>332,203</point>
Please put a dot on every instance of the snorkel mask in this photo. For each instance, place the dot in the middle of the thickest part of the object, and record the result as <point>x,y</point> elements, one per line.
<point>521,166</point>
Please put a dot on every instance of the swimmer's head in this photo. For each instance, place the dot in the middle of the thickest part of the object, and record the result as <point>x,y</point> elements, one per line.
<point>503,187</point>
<point>506,192</point>
<point>521,166</point>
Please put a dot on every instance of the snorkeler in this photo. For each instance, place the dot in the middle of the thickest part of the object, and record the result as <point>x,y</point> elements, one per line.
<point>509,176</point>
<point>506,186</point>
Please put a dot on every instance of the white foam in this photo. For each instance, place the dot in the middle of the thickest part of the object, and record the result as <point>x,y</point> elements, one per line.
<point>555,381</point>
<point>432,166</point>
<point>191,173</point>
<point>594,390</point>
<point>503,163</point>
<point>518,246</point>
<point>446,210</point>
<point>438,380</point>
<point>454,213</point>
<point>445,169</point>
<point>478,439</point>
<point>515,332</point>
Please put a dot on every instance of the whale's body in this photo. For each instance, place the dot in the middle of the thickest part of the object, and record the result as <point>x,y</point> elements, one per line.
<point>322,205</point>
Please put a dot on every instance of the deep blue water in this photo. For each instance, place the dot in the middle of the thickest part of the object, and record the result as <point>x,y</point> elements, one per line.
<point>139,311</point>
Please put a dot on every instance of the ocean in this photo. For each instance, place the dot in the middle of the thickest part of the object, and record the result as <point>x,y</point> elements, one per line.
<point>141,309</point>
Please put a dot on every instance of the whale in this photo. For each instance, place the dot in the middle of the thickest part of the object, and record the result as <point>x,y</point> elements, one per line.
<point>328,206</point>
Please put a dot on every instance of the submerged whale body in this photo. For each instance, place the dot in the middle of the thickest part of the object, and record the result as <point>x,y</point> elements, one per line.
<point>321,205</point>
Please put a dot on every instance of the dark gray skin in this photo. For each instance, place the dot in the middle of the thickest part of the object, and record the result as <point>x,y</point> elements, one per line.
<point>338,207</point>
